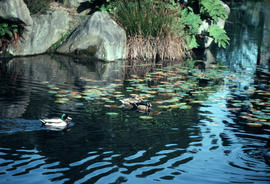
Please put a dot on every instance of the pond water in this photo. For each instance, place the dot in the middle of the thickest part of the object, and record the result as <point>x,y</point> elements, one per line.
<point>198,130</point>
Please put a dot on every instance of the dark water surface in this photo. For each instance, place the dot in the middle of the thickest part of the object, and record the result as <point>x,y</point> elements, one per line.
<point>197,134</point>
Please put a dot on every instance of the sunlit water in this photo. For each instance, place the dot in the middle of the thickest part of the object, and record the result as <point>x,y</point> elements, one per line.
<point>206,140</point>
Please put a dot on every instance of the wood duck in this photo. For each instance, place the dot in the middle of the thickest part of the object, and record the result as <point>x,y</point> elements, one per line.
<point>129,103</point>
<point>61,122</point>
<point>143,107</point>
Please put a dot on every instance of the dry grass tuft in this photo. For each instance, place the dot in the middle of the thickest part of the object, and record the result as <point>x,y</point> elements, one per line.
<point>167,48</point>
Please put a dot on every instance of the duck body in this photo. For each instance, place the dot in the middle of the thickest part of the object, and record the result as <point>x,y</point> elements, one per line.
<point>143,107</point>
<point>130,103</point>
<point>61,122</point>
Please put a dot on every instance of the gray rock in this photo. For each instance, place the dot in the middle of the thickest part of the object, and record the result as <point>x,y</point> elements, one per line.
<point>46,30</point>
<point>98,36</point>
<point>15,10</point>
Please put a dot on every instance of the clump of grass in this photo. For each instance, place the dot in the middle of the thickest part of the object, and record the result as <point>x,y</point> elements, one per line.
<point>149,25</point>
<point>158,48</point>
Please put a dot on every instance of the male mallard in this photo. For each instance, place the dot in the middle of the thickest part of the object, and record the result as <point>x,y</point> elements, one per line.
<point>63,121</point>
<point>130,102</point>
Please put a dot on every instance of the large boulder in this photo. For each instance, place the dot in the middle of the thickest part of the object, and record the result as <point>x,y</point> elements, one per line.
<point>46,30</point>
<point>98,36</point>
<point>16,11</point>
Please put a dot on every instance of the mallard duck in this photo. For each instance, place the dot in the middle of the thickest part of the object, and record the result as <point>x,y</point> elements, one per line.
<point>63,121</point>
<point>129,103</point>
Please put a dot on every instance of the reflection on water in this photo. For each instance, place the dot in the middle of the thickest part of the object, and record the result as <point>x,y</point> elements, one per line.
<point>205,142</point>
<point>249,30</point>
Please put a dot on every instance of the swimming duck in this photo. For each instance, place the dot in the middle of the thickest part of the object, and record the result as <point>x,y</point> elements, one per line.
<point>143,107</point>
<point>129,103</point>
<point>63,121</point>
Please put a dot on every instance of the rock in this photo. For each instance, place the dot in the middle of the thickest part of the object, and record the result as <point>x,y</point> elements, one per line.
<point>16,11</point>
<point>98,36</point>
<point>206,24</point>
<point>46,30</point>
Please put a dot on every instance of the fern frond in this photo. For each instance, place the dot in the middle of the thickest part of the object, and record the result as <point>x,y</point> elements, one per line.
<point>214,9</point>
<point>219,35</point>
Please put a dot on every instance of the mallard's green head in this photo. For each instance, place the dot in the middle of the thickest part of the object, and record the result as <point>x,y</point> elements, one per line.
<point>65,117</point>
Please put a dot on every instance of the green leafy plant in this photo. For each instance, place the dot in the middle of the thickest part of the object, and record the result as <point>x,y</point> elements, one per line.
<point>219,35</point>
<point>213,9</point>
<point>210,10</point>
<point>10,32</point>
<point>7,30</point>
<point>191,22</point>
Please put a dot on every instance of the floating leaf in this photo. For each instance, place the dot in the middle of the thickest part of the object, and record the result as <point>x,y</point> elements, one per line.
<point>52,92</point>
<point>44,82</point>
<point>110,101</point>
<point>110,106</point>
<point>62,91</point>
<point>92,92</point>
<point>112,113</point>
<point>59,95</point>
<point>185,107</point>
<point>146,117</point>
<point>151,92</point>
<point>163,107</point>
<point>175,106</point>
<point>254,124</point>
<point>61,100</point>
<point>76,96</point>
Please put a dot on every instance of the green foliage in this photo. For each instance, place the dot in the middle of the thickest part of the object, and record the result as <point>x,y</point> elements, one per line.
<point>146,17</point>
<point>210,10</point>
<point>219,35</point>
<point>8,30</point>
<point>214,9</point>
<point>160,18</point>
<point>191,22</point>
